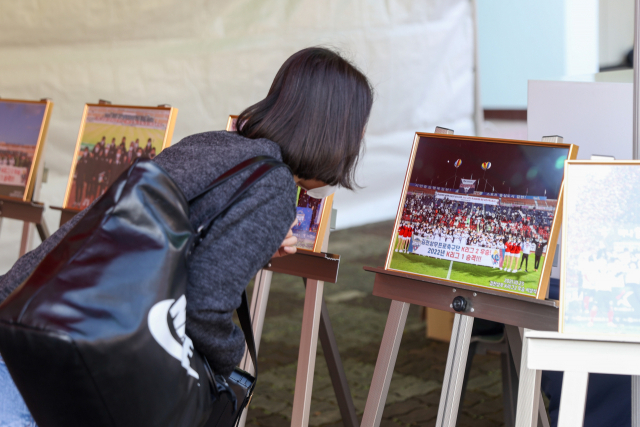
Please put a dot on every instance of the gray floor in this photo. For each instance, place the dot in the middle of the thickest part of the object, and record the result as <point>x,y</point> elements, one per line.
<point>358,319</point>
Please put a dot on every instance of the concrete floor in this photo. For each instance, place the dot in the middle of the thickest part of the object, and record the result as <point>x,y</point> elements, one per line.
<point>358,320</point>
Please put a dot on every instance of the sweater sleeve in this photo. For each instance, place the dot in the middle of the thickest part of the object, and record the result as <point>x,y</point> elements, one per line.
<point>237,246</point>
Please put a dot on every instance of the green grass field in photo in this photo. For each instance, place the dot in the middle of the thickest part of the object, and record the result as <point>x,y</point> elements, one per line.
<point>466,273</point>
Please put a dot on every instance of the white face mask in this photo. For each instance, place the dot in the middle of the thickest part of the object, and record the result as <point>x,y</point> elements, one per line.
<point>322,192</point>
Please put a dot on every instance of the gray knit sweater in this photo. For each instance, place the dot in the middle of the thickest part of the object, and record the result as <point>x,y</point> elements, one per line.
<point>237,246</point>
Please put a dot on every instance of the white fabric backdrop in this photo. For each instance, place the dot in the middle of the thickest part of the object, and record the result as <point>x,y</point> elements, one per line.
<point>213,58</point>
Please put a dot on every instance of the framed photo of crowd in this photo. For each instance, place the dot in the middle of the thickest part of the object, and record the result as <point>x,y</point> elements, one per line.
<point>480,211</point>
<point>312,215</point>
<point>111,137</point>
<point>600,271</point>
<point>23,130</point>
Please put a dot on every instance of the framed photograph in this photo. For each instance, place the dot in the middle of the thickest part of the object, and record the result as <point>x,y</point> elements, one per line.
<point>23,130</point>
<point>480,211</point>
<point>110,138</point>
<point>600,271</point>
<point>312,215</point>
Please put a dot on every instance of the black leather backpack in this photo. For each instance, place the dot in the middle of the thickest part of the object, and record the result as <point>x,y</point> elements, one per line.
<point>95,336</point>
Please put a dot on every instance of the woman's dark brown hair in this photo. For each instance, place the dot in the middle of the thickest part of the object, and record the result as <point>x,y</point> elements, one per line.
<point>316,110</point>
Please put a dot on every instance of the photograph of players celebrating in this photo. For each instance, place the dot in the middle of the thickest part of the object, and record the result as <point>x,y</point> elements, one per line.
<point>479,211</point>
<point>111,139</point>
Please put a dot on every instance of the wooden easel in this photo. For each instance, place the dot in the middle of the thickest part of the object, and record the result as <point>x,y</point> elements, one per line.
<point>314,269</point>
<point>515,311</point>
<point>29,212</point>
<point>404,289</point>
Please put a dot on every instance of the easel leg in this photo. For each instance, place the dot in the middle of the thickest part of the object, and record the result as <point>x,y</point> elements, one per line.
<point>385,363</point>
<point>573,399</point>
<point>259,298</point>
<point>307,353</point>
<point>473,346</point>
<point>26,238</point>
<point>635,401</point>
<point>509,387</point>
<point>43,230</point>
<point>454,373</point>
<point>528,393</point>
<point>258,309</point>
<point>336,370</point>
<point>514,337</point>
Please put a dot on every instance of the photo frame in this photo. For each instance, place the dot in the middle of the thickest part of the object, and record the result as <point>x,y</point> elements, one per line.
<point>312,215</point>
<point>600,268</point>
<point>475,211</point>
<point>23,131</point>
<point>231,124</point>
<point>108,142</point>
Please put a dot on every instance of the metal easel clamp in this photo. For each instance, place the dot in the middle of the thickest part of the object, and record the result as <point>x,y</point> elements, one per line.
<point>557,139</point>
<point>443,130</point>
<point>334,216</point>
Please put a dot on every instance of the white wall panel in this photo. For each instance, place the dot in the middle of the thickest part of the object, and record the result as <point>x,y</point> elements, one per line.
<point>596,116</point>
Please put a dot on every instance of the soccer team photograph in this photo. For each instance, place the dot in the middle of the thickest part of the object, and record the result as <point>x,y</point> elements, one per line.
<point>479,213</point>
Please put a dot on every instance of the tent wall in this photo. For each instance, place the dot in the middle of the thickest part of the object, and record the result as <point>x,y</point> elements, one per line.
<point>213,58</point>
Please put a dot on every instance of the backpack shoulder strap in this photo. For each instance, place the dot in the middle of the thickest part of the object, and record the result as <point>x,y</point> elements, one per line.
<point>245,323</point>
<point>262,170</point>
<point>240,167</point>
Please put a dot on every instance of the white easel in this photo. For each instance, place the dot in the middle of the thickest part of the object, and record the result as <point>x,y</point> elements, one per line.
<point>554,351</point>
<point>565,352</point>
<point>315,269</point>
<point>404,289</point>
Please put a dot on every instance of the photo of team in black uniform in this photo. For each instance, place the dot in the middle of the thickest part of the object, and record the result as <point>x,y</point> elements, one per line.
<point>97,168</point>
<point>111,139</point>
